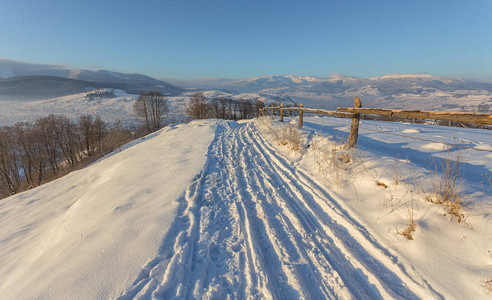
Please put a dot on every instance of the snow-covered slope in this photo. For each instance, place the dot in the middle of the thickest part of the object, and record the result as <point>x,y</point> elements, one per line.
<point>88,234</point>
<point>217,209</point>
<point>118,108</point>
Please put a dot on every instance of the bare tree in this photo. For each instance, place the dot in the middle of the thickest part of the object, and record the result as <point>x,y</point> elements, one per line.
<point>198,108</point>
<point>215,108</point>
<point>67,139</point>
<point>150,107</point>
<point>93,133</point>
<point>47,131</point>
<point>258,105</point>
<point>86,129</point>
<point>118,135</point>
<point>99,133</point>
<point>9,169</point>
<point>32,155</point>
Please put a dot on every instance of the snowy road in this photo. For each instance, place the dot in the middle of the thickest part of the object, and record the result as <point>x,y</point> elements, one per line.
<point>252,225</point>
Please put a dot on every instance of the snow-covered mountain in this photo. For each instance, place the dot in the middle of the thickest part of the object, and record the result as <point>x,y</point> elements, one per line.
<point>407,91</point>
<point>403,91</point>
<point>11,68</point>
<point>388,84</point>
<point>44,87</point>
<point>274,82</point>
<point>27,81</point>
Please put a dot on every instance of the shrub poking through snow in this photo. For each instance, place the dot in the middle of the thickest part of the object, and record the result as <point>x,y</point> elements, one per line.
<point>446,175</point>
<point>407,232</point>
<point>332,158</point>
<point>283,134</point>
<point>290,137</point>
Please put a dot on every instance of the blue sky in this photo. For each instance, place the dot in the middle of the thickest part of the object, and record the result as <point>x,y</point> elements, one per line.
<point>235,39</point>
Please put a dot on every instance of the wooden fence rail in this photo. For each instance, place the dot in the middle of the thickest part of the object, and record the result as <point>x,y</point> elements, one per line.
<point>355,113</point>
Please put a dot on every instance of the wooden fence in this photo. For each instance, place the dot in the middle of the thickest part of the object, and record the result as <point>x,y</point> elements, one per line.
<point>356,112</point>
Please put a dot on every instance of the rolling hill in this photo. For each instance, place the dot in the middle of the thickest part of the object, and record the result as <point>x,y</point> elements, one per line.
<point>27,81</point>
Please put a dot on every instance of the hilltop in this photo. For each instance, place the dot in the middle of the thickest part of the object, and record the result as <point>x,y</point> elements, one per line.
<point>220,208</point>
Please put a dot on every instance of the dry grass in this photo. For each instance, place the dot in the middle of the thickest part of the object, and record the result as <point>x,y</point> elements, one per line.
<point>332,158</point>
<point>486,182</point>
<point>379,183</point>
<point>488,285</point>
<point>446,179</point>
<point>283,134</point>
<point>393,203</point>
<point>290,136</point>
<point>397,172</point>
<point>411,226</point>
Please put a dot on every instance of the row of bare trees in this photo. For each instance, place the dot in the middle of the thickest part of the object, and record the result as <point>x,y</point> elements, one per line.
<point>31,154</point>
<point>222,108</point>
<point>150,108</point>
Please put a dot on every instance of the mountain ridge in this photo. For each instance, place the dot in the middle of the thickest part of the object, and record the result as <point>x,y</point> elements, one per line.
<point>12,68</point>
<point>39,87</point>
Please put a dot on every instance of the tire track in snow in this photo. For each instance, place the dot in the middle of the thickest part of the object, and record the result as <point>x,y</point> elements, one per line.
<point>252,226</point>
<point>352,238</point>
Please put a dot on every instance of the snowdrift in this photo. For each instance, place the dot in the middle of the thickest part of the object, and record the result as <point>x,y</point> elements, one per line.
<point>89,233</point>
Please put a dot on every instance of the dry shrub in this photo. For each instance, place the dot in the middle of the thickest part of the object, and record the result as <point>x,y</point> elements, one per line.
<point>332,158</point>
<point>446,179</point>
<point>290,137</point>
<point>486,182</point>
<point>283,134</point>
<point>264,123</point>
<point>407,231</point>
<point>379,183</point>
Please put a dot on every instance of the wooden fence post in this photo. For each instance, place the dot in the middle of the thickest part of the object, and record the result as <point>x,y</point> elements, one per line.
<point>301,115</point>
<point>281,113</point>
<point>354,128</point>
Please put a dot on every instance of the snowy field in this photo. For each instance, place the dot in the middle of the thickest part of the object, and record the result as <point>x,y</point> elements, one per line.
<point>111,110</point>
<point>118,108</point>
<point>87,235</point>
<point>217,209</point>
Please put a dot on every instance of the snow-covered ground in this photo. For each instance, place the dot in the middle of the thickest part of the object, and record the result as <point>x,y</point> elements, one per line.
<point>88,234</point>
<point>217,209</point>
<point>454,258</point>
<point>114,109</point>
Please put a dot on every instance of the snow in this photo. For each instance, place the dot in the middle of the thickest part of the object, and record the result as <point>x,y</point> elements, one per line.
<point>72,106</point>
<point>219,209</point>
<point>454,258</point>
<point>398,91</point>
<point>89,233</point>
<point>400,76</point>
<point>118,108</point>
